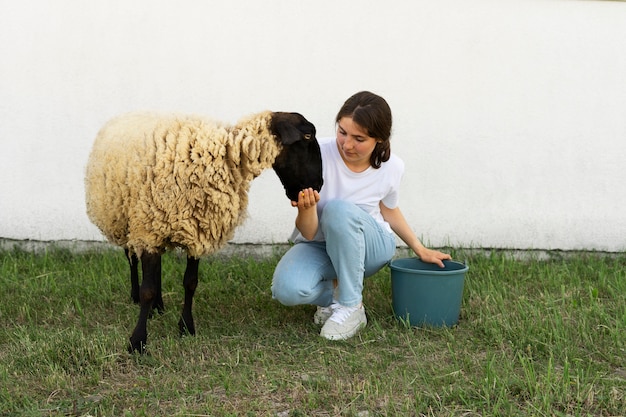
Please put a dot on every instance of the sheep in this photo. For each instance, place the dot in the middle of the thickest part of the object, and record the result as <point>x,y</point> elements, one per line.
<point>159,181</point>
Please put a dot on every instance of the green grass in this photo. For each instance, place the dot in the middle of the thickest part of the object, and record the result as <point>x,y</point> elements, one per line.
<point>535,338</point>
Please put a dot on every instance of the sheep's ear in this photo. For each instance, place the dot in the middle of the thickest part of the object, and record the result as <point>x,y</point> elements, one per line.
<point>288,133</point>
<point>291,127</point>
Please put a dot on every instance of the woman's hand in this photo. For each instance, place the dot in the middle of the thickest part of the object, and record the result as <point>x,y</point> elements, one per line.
<point>432,256</point>
<point>307,199</point>
<point>307,221</point>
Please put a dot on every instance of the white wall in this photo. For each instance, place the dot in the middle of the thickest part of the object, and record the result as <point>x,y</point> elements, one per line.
<point>510,115</point>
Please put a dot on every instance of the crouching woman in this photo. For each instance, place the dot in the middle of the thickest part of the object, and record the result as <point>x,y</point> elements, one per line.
<point>346,232</point>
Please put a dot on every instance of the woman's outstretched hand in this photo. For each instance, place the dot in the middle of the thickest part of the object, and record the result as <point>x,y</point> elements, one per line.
<point>307,221</point>
<point>432,256</point>
<point>306,199</point>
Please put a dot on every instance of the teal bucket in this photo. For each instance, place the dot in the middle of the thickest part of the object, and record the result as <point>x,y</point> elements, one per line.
<point>425,294</point>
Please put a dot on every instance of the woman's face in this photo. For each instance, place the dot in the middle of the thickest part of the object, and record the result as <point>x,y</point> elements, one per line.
<point>355,146</point>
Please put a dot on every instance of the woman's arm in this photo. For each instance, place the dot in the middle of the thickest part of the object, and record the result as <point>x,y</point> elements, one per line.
<point>398,224</point>
<point>307,221</point>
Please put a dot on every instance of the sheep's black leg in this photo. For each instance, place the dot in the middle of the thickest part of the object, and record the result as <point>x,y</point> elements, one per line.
<point>190,282</point>
<point>151,270</point>
<point>158,301</point>
<point>133,261</point>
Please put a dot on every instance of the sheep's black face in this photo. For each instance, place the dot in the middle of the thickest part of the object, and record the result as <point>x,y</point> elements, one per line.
<point>299,165</point>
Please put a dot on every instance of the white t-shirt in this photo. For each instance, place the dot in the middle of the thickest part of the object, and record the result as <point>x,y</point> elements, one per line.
<point>365,189</point>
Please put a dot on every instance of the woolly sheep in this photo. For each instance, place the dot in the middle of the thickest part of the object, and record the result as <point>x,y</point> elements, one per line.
<point>158,181</point>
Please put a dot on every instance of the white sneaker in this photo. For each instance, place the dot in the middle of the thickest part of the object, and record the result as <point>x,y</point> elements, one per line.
<point>344,323</point>
<point>322,314</point>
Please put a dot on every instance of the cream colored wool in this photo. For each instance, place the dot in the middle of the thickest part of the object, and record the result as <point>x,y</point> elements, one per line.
<point>157,181</point>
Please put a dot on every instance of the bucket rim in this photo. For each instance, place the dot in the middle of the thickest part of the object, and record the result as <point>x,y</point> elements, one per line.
<point>393,264</point>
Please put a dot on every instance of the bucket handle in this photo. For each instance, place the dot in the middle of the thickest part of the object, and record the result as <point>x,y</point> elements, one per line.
<point>464,262</point>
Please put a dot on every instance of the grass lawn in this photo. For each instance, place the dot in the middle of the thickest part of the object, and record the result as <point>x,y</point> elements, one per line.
<point>535,338</point>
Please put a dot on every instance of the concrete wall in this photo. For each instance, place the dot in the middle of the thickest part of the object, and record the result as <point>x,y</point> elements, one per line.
<point>510,115</point>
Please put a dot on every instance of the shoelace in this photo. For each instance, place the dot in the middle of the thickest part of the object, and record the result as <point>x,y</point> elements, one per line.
<point>331,308</point>
<point>341,313</point>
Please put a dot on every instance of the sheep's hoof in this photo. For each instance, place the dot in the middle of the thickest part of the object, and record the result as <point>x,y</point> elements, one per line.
<point>134,296</point>
<point>137,344</point>
<point>159,306</point>
<point>139,347</point>
<point>186,327</point>
<point>159,309</point>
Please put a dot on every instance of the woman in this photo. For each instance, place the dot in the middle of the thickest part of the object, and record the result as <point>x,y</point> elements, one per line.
<point>345,232</point>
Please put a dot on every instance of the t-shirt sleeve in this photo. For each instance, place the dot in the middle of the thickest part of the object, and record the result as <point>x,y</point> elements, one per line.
<point>396,172</point>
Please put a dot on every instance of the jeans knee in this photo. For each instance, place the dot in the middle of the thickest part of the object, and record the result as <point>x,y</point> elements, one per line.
<point>290,295</point>
<point>282,294</point>
<point>338,215</point>
<point>335,208</point>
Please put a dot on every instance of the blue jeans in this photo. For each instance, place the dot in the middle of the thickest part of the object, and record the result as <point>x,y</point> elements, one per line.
<point>356,247</point>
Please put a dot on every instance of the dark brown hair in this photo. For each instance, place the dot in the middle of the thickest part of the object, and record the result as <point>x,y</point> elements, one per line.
<point>373,114</point>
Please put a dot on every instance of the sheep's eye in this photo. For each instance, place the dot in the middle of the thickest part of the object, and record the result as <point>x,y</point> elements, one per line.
<point>307,136</point>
